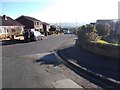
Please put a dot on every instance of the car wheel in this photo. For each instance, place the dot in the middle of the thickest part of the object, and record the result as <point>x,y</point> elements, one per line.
<point>37,39</point>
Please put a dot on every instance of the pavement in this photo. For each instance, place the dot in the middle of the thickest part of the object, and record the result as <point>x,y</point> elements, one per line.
<point>100,65</point>
<point>66,83</point>
<point>51,60</point>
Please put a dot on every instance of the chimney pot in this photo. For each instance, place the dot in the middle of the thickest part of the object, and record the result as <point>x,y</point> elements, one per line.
<point>4,17</point>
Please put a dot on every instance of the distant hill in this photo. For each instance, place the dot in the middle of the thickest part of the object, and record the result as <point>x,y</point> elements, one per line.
<point>68,25</point>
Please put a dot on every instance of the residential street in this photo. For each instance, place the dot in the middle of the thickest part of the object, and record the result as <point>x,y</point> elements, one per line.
<point>34,65</point>
<point>22,72</point>
<point>51,44</point>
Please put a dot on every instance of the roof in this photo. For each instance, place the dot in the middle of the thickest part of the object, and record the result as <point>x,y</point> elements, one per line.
<point>9,21</point>
<point>92,23</point>
<point>107,20</point>
<point>30,18</point>
<point>45,23</point>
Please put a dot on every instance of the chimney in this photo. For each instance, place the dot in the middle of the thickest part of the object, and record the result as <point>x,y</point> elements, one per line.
<point>4,17</point>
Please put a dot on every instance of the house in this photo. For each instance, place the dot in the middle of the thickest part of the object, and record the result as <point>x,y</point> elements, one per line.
<point>54,29</point>
<point>114,36</point>
<point>30,23</point>
<point>46,28</point>
<point>117,27</point>
<point>10,27</point>
<point>111,22</point>
<point>92,23</point>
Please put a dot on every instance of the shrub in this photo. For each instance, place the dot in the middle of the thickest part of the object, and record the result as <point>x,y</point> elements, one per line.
<point>86,34</point>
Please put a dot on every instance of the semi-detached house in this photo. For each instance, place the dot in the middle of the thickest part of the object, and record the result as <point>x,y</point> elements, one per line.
<point>33,23</point>
<point>9,27</point>
<point>30,23</point>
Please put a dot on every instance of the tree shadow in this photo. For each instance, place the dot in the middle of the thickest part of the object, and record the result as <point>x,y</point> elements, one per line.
<point>12,42</point>
<point>101,65</point>
<point>49,59</point>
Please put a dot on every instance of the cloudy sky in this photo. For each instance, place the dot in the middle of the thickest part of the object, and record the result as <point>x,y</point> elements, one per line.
<point>53,11</point>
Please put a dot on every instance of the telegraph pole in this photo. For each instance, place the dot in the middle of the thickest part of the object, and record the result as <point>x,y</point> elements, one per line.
<point>60,27</point>
<point>76,23</point>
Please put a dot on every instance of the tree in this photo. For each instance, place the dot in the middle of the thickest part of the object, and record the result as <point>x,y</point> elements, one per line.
<point>86,34</point>
<point>103,30</point>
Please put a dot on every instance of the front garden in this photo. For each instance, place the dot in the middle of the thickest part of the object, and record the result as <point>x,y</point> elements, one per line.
<point>92,38</point>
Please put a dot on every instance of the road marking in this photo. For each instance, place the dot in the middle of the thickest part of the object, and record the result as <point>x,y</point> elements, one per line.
<point>65,83</point>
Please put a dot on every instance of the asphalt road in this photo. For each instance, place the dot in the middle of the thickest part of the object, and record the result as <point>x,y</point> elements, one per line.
<point>32,65</point>
<point>35,64</point>
<point>46,45</point>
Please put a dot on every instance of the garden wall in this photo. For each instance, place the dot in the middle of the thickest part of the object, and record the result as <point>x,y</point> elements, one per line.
<point>103,49</point>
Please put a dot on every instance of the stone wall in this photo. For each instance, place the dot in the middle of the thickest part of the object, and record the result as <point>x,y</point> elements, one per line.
<point>103,49</point>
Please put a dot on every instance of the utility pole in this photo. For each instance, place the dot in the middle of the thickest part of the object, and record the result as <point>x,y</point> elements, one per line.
<point>76,25</point>
<point>60,27</point>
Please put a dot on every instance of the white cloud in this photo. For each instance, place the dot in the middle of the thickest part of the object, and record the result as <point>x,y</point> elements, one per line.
<point>80,10</point>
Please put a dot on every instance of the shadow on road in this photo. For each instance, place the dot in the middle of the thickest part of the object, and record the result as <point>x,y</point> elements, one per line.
<point>12,42</point>
<point>105,66</point>
<point>49,59</point>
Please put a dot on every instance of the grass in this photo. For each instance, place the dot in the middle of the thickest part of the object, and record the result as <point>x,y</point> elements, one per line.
<point>105,42</point>
<point>102,41</point>
<point>115,44</point>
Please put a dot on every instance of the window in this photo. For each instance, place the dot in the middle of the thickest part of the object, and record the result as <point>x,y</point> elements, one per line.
<point>4,30</point>
<point>37,23</point>
<point>13,30</point>
<point>0,30</point>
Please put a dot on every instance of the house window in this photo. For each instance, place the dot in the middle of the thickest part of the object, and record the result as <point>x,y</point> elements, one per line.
<point>36,29</point>
<point>37,23</point>
<point>0,31</point>
<point>13,30</point>
<point>7,30</point>
<point>4,30</point>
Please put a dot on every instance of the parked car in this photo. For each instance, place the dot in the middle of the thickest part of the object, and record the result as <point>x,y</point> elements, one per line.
<point>37,35</point>
<point>32,35</point>
<point>67,32</point>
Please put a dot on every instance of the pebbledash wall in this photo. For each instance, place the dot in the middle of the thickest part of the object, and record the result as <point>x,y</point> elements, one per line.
<point>102,49</point>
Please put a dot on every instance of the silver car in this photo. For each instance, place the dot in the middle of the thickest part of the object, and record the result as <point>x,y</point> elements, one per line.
<point>37,35</point>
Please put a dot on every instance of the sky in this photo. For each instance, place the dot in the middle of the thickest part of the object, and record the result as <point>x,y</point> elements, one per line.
<point>55,11</point>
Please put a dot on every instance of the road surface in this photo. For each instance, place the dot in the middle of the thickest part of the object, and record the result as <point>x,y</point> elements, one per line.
<point>34,64</point>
